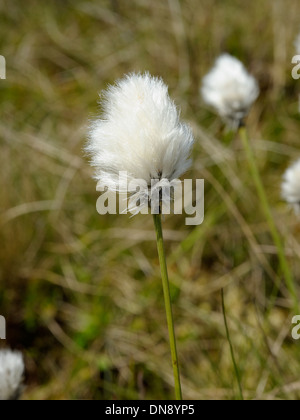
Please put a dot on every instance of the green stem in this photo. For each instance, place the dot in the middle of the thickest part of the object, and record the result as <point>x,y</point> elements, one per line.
<point>166,289</point>
<point>231,348</point>
<point>268,214</point>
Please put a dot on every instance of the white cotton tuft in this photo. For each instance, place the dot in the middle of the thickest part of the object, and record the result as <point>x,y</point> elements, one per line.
<point>291,186</point>
<point>11,374</point>
<point>138,134</point>
<point>230,89</point>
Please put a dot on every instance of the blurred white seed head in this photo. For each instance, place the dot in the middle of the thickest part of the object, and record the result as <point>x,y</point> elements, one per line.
<point>11,374</point>
<point>297,44</point>
<point>230,89</point>
<point>138,134</point>
<point>291,186</point>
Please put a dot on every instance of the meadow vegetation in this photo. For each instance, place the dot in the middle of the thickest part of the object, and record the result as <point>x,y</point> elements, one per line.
<point>82,293</point>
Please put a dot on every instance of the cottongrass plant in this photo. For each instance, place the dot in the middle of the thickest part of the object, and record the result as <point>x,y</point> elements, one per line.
<point>231,90</point>
<point>140,137</point>
<point>11,375</point>
<point>290,189</point>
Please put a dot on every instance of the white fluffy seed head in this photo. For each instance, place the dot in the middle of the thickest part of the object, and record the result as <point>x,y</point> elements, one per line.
<point>138,133</point>
<point>11,374</point>
<point>291,186</point>
<point>230,89</point>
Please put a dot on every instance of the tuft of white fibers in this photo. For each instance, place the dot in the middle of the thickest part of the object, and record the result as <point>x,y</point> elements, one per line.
<point>139,136</point>
<point>230,89</point>
<point>291,186</point>
<point>11,374</point>
<point>297,44</point>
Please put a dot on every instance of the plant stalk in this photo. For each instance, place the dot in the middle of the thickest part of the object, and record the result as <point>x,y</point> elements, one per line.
<point>167,297</point>
<point>269,217</point>
<point>237,373</point>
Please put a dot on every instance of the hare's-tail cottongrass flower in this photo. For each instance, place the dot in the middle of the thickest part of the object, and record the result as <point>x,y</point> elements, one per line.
<point>140,135</point>
<point>11,374</point>
<point>290,189</point>
<point>230,89</point>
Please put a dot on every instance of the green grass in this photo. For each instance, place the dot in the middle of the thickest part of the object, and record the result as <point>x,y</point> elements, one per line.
<point>81,292</point>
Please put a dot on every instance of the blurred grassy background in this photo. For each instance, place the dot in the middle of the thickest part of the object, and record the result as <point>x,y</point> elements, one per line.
<point>82,293</point>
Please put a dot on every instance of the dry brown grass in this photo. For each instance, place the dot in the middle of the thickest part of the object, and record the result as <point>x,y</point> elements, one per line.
<point>82,293</point>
